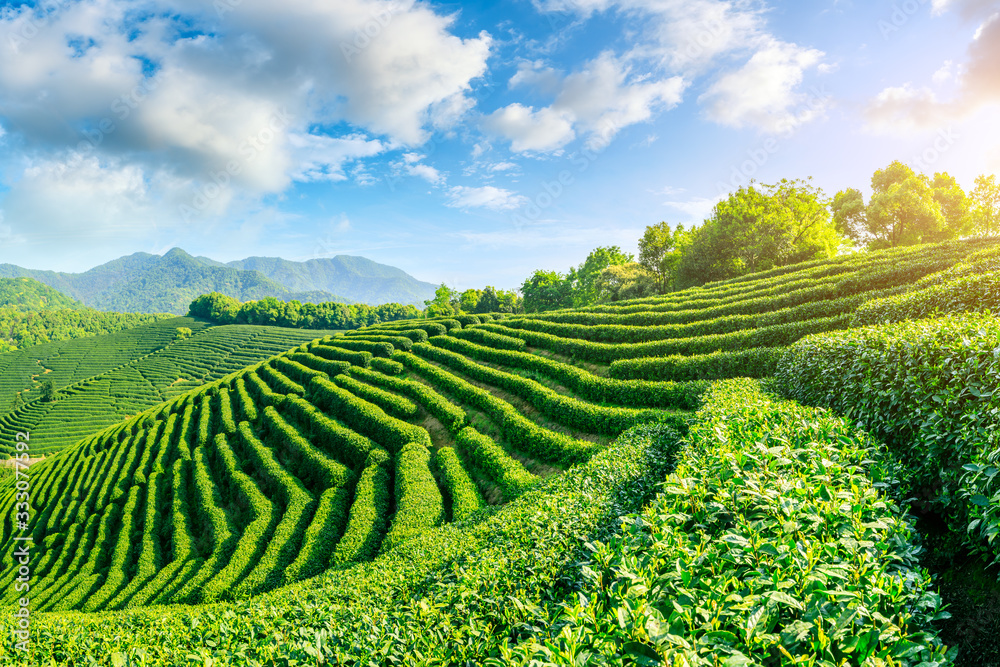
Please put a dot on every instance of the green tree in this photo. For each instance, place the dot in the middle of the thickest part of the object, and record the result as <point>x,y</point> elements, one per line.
<point>902,210</point>
<point>469,300</point>
<point>757,228</point>
<point>660,250</point>
<point>954,206</point>
<point>216,307</point>
<point>441,304</point>
<point>985,206</point>
<point>17,403</point>
<point>627,281</point>
<point>182,333</point>
<point>584,278</point>
<point>49,392</point>
<point>509,302</point>
<point>489,301</point>
<point>849,217</point>
<point>546,290</point>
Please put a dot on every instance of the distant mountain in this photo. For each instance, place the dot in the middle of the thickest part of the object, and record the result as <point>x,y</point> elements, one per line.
<point>145,283</point>
<point>359,278</point>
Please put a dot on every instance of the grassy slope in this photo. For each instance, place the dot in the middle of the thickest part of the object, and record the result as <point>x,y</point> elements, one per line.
<point>198,464</point>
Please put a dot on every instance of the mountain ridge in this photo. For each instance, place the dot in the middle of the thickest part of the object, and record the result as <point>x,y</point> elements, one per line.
<point>147,283</point>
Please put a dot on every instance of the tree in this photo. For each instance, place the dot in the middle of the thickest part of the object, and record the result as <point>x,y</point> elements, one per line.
<point>509,302</point>
<point>849,214</point>
<point>469,300</point>
<point>583,278</point>
<point>626,281</point>
<point>546,290</point>
<point>757,228</point>
<point>489,301</point>
<point>660,250</point>
<point>216,307</point>
<point>17,403</point>
<point>902,210</point>
<point>441,304</point>
<point>182,333</point>
<point>985,206</point>
<point>49,392</point>
<point>954,206</point>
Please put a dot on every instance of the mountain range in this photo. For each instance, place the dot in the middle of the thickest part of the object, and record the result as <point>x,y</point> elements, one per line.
<point>146,283</point>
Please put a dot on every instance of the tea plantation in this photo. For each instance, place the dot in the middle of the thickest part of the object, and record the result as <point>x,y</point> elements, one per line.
<point>107,379</point>
<point>632,483</point>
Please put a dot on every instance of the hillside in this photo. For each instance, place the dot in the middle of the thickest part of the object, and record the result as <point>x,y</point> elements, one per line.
<point>30,294</point>
<point>110,378</point>
<point>155,284</point>
<point>370,460</point>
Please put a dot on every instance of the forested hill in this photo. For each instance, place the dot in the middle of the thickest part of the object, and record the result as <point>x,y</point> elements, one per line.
<point>30,294</point>
<point>147,283</point>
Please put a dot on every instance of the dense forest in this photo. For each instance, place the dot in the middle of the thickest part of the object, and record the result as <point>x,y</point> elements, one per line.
<point>223,309</point>
<point>32,313</point>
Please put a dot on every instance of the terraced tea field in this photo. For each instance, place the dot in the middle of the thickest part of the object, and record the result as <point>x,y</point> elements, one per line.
<point>111,378</point>
<point>449,491</point>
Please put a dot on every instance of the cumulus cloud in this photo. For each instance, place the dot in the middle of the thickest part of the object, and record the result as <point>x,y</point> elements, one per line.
<point>487,196</point>
<point>181,95</point>
<point>598,100</point>
<point>691,38</point>
<point>528,130</point>
<point>763,93</point>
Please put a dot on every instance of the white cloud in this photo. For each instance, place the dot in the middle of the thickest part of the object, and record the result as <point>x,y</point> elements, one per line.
<point>322,158</point>
<point>487,196</point>
<point>945,74</point>
<point>598,100</point>
<point>426,172</point>
<point>246,90</point>
<point>529,130</point>
<point>763,94</point>
<point>503,166</point>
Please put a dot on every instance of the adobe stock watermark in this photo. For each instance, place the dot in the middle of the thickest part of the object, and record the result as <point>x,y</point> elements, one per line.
<point>552,190</point>
<point>249,149</point>
<point>37,20</point>
<point>756,157</point>
<point>22,552</point>
<point>367,33</point>
<point>901,14</point>
<point>945,139</point>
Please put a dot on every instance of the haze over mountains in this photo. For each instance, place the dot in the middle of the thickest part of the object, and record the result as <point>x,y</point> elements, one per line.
<point>146,283</point>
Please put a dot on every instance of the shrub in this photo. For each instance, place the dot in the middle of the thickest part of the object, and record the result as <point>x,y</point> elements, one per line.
<point>465,498</point>
<point>393,404</point>
<point>362,359</point>
<point>369,515</point>
<point>930,388</point>
<point>756,362</point>
<point>419,505</point>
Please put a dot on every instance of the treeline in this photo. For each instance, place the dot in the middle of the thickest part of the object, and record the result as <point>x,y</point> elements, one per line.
<point>761,227</point>
<point>270,311</point>
<point>20,328</point>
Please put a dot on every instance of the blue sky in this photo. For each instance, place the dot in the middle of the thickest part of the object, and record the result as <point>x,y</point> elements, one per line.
<point>467,143</point>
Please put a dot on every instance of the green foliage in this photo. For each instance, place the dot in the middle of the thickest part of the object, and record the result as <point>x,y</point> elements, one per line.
<point>222,309</point>
<point>365,417</point>
<point>488,457</point>
<point>369,516</point>
<point>929,388</point>
<point>546,290</point>
<point>419,504</point>
<point>969,293</point>
<point>465,498</point>
<point>660,250</point>
<point>754,362</point>
<point>757,229</point>
<point>772,543</point>
<point>984,200</point>
<point>49,392</point>
<point>902,210</point>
